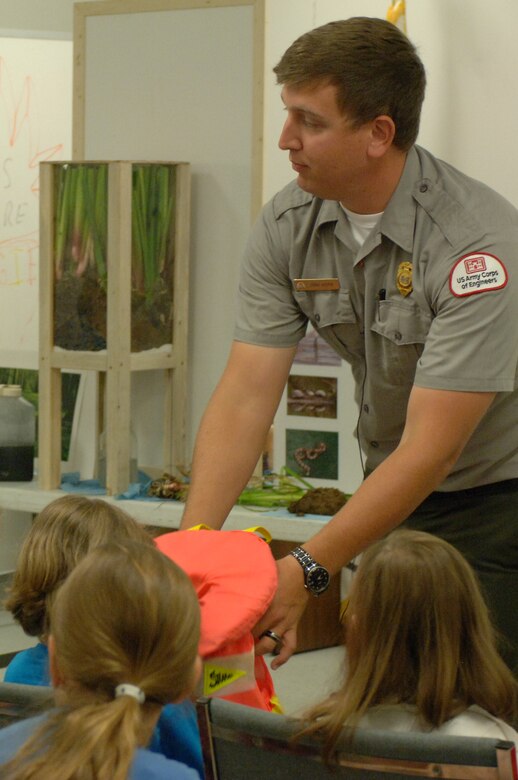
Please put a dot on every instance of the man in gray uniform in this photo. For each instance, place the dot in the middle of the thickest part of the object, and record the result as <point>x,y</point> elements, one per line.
<point>409,269</point>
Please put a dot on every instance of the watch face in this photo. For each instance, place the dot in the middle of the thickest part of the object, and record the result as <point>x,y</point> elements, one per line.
<point>318,579</point>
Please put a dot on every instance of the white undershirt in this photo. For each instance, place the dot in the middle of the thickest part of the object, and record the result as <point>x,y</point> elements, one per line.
<point>361,224</point>
<point>473,722</point>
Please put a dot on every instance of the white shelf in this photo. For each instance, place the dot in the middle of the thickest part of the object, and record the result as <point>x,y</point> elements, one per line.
<point>29,497</point>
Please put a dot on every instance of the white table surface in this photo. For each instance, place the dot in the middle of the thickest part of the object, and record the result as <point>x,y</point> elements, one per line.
<point>28,497</point>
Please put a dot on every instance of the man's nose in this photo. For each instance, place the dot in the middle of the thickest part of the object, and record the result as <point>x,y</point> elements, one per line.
<point>288,138</point>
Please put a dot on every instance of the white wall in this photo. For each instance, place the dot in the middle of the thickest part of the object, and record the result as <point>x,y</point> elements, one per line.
<point>468,47</point>
<point>27,18</point>
<point>37,16</point>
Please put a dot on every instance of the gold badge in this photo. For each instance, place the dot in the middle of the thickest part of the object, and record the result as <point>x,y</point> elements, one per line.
<point>404,278</point>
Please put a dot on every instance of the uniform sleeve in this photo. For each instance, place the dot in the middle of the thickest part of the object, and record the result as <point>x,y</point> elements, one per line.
<point>267,314</point>
<point>472,344</point>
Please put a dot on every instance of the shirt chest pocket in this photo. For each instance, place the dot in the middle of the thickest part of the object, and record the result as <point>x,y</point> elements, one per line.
<point>402,322</point>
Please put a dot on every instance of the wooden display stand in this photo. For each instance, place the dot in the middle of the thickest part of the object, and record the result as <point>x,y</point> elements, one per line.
<point>117,361</point>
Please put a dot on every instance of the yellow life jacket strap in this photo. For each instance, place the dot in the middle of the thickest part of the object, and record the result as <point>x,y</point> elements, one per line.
<point>258,530</point>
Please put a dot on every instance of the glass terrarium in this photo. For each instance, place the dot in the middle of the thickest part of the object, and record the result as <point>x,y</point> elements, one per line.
<point>114,289</point>
<point>80,255</point>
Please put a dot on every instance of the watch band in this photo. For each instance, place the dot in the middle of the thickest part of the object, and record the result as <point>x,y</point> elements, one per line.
<point>303,557</point>
<point>316,576</point>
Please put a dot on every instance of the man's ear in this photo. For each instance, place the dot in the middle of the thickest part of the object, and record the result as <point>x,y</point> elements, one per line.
<point>383,131</point>
<point>55,675</point>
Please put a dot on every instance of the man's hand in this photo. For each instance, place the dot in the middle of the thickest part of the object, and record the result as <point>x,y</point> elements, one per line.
<point>284,612</point>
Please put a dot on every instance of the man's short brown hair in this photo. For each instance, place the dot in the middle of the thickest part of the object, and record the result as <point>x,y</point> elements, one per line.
<point>373,65</point>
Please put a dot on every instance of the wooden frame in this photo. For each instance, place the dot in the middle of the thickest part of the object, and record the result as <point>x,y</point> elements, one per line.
<point>112,7</point>
<point>167,103</point>
<point>117,361</point>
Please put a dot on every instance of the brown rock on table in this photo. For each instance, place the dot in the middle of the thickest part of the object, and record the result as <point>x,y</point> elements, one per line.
<point>320,501</point>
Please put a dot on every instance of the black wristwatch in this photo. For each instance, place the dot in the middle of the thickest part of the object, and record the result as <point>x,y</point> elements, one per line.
<point>316,577</point>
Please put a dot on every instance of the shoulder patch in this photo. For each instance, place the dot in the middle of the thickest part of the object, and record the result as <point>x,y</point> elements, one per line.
<point>476,273</point>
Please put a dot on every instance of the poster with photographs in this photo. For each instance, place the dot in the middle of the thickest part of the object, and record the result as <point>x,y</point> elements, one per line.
<point>312,454</point>
<point>314,428</point>
<point>312,396</point>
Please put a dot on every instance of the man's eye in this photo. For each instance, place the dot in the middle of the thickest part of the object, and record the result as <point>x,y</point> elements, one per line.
<point>311,123</point>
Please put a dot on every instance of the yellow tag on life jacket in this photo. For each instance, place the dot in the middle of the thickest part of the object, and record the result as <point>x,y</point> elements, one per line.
<point>217,677</point>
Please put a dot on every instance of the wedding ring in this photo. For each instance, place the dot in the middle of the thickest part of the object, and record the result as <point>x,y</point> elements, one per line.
<point>276,638</point>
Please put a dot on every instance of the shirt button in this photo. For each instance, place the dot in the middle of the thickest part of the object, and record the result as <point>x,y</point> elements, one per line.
<point>366,408</point>
<point>317,317</point>
<point>375,444</point>
<point>423,188</point>
<point>397,335</point>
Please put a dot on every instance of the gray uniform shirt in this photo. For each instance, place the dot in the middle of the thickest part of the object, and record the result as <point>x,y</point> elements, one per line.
<point>457,328</point>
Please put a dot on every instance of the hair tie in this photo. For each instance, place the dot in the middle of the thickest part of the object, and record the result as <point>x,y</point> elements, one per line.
<point>127,689</point>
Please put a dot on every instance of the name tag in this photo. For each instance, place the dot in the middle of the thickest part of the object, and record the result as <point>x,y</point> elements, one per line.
<point>302,285</point>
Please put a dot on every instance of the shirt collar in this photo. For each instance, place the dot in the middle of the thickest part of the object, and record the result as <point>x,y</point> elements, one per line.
<point>398,219</point>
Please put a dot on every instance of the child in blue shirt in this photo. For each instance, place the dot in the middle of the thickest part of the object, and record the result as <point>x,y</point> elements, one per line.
<point>113,669</point>
<point>61,535</point>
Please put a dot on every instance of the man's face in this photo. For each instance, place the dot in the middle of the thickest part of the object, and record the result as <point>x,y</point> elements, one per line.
<point>329,156</point>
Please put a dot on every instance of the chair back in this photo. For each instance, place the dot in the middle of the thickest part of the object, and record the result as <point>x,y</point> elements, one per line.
<point>22,701</point>
<point>239,741</point>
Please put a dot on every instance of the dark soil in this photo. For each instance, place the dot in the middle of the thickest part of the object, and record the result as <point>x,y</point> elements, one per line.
<point>320,501</point>
<point>80,316</point>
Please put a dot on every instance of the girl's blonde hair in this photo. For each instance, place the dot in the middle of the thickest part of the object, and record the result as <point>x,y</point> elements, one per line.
<point>61,535</point>
<point>418,631</point>
<point>126,614</point>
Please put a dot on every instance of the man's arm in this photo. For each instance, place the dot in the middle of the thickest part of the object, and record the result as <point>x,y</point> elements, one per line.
<point>439,423</point>
<point>233,430</point>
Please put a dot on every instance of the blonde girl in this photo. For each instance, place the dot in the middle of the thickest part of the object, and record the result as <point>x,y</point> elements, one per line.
<point>61,535</point>
<point>421,649</point>
<point>124,642</point>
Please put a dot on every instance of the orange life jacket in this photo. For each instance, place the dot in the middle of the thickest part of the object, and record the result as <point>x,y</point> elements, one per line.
<point>235,577</point>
